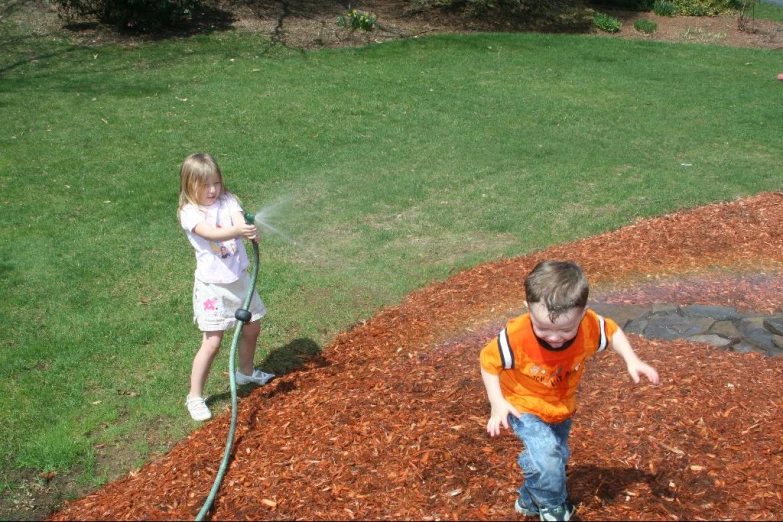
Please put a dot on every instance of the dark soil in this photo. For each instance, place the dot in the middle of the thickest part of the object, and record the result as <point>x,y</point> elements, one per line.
<point>312,24</point>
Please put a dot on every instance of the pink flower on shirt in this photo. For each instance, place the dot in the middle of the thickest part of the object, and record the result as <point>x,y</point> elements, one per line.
<point>209,304</point>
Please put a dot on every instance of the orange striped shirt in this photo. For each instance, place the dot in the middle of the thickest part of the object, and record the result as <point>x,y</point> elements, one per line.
<point>538,380</point>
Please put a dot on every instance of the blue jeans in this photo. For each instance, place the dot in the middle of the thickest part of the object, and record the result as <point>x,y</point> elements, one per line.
<point>543,460</point>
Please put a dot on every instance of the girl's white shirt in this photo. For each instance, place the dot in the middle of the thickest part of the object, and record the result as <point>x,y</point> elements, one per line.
<point>216,262</point>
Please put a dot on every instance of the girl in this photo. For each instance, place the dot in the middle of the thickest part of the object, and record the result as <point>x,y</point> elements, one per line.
<point>214,223</point>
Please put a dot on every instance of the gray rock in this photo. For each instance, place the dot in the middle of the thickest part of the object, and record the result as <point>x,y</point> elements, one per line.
<point>620,313</point>
<point>743,347</point>
<point>725,329</point>
<point>664,308</point>
<point>777,340</point>
<point>719,313</point>
<point>774,324</point>
<point>714,340</point>
<point>670,327</point>
<point>636,326</point>
<point>753,332</point>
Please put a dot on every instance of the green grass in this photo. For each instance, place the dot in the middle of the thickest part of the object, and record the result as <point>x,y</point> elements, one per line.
<point>391,166</point>
<point>764,11</point>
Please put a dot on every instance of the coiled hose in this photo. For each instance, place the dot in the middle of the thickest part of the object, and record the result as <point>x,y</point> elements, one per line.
<point>243,316</point>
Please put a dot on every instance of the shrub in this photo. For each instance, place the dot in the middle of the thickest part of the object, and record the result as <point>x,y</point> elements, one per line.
<point>702,7</point>
<point>644,25</point>
<point>355,19</point>
<point>606,23</point>
<point>131,15</point>
<point>664,8</point>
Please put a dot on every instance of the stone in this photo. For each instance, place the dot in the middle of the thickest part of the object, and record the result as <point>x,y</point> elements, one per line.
<point>725,329</point>
<point>663,308</point>
<point>720,326</point>
<point>774,324</point>
<point>743,347</point>
<point>714,340</point>
<point>719,313</point>
<point>636,326</point>
<point>753,331</point>
<point>670,327</point>
<point>621,314</point>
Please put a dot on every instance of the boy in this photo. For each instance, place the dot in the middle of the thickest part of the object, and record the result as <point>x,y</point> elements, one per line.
<point>531,372</point>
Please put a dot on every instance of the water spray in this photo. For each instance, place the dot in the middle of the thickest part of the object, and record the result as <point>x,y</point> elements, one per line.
<point>262,219</point>
<point>242,316</point>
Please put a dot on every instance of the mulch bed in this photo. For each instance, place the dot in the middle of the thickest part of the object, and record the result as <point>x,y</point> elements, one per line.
<point>389,422</point>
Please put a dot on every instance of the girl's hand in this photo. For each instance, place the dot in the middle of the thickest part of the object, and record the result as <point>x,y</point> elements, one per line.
<point>499,417</point>
<point>249,232</point>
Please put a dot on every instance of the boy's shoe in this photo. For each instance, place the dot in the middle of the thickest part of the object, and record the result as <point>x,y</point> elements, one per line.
<point>198,408</point>
<point>258,378</point>
<point>524,509</point>
<point>562,512</point>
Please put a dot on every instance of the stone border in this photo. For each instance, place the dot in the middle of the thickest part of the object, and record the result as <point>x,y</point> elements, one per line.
<point>720,326</point>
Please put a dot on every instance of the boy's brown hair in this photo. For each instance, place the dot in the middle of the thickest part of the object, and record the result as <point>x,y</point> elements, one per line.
<point>559,285</point>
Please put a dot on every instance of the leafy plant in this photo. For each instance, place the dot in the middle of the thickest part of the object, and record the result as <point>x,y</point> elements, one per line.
<point>606,23</point>
<point>356,19</point>
<point>664,8</point>
<point>645,25</point>
<point>703,7</point>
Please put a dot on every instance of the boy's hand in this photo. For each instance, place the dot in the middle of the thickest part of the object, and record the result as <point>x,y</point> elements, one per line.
<point>499,417</point>
<point>638,367</point>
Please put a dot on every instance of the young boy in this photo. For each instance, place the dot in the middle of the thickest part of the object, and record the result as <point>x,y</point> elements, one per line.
<point>531,371</point>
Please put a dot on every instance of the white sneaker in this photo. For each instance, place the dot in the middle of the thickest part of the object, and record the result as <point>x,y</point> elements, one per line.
<point>198,408</point>
<point>258,378</point>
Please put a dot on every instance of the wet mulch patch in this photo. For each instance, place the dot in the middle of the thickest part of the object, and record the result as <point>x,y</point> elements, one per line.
<point>389,423</point>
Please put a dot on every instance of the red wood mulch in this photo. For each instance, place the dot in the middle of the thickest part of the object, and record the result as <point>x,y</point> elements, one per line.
<point>390,422</point>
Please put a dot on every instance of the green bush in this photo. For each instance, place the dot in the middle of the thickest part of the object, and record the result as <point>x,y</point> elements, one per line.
<point>606,23</point>
<point>131,15</point>
<point>644,25</point>
<point>664,8</point>
<point>702,7</point>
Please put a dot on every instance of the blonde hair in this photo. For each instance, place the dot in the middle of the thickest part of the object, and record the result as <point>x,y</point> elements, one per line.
<point>559,285</point>
<point>193,176</point>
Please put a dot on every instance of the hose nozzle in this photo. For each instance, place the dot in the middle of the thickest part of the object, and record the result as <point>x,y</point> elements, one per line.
<point>250,218</point>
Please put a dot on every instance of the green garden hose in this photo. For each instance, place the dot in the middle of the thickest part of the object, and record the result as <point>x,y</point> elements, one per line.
<point>243,316</point>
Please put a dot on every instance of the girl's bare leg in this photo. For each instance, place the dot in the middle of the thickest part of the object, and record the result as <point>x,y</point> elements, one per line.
<point>210,345</point>
<point>247,346</point>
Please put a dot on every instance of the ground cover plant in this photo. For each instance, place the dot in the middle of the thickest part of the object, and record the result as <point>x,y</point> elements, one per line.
<point>607,23</point>
<point>645,26</point>
<point>379,165</point>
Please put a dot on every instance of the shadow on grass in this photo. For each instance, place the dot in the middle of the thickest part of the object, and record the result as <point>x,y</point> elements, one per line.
<point>292,356</point>
<point>283,360</point>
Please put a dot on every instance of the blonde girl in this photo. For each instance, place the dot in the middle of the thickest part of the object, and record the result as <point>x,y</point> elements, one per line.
<point>214,223</point>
